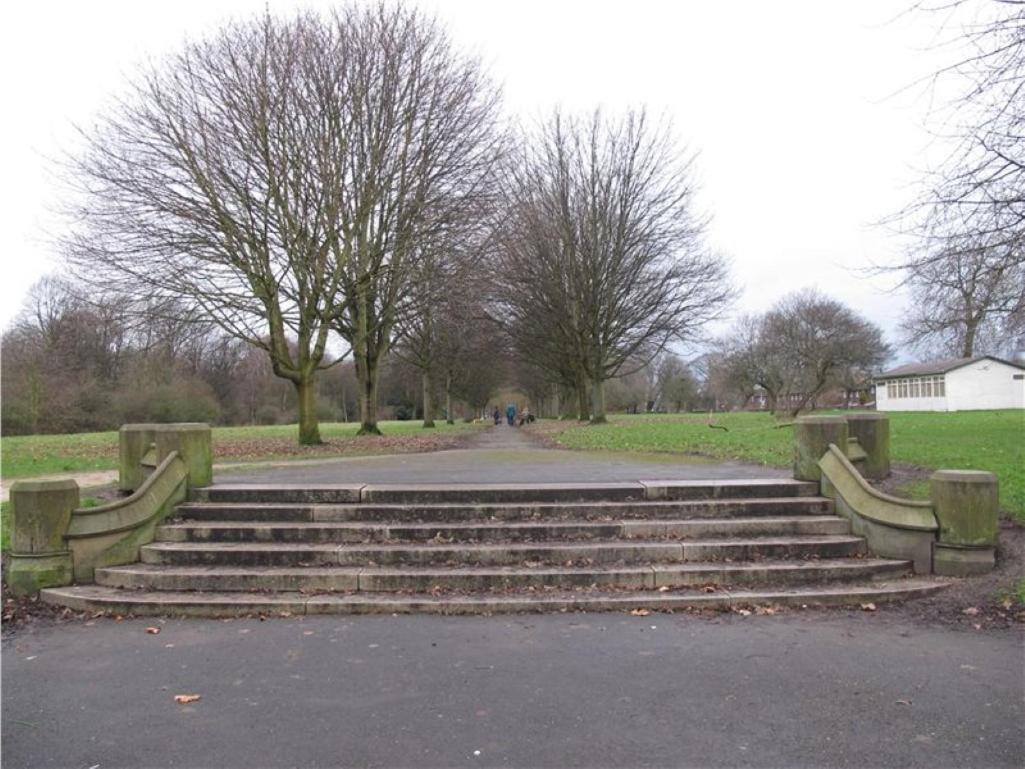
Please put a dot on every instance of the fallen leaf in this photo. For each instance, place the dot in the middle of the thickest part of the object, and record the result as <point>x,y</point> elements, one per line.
<point>971,611</point>
<point>977,626</point>
<point>868,607</point>
<point>640,612</point>
<point>764,610</point>
<point>152,630</point>
<point>903,702</point>
<point>664,589</point>
<point>185,699</point>
<point>744,612</point>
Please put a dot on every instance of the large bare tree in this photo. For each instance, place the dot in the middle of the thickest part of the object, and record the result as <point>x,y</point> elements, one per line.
<point>218,180</point>
<point>603,260</point>
<point>420,165</point>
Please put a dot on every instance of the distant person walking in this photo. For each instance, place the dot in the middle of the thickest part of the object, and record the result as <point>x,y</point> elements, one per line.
<point>510,414</point>
<point>497,416</point>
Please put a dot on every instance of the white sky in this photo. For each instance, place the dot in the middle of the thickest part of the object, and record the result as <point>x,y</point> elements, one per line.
<point>802,145</point>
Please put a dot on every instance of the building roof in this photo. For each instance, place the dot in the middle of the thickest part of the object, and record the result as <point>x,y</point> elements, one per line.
<point>941,366</point>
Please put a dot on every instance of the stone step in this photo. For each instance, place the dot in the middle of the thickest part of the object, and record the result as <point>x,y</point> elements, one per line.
<point>227,604</point>
<point>507,492</point>
<point>333,554</point>
<point>539,511</point>
<point>380,579</point>
<point>234,531</point>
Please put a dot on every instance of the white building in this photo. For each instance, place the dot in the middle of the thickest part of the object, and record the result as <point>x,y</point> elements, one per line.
<point>954,384</point>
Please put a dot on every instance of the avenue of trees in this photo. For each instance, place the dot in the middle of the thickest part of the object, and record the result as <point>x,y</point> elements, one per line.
<point>307,218</point>
<point>283,177</point>
<point>292,184</point>
<point>601,261</point>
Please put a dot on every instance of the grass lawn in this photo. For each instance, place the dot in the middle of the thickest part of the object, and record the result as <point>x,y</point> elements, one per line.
<point>978,440</point>
<point>24,456</point>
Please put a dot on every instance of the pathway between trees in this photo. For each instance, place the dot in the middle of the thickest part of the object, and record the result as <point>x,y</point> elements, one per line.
<point>500,454</point>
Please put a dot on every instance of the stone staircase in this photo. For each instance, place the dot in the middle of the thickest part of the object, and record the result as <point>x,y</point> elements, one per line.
<point>246,549</point>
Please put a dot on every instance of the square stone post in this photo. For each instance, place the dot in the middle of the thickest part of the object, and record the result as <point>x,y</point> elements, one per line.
<point>872,429</point>
<point>193,442</point>
<point>966,503</point>
<point>40,514</point>
<point>812,436</point>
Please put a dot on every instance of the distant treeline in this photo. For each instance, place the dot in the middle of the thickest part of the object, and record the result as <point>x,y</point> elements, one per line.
<point>70,364</point>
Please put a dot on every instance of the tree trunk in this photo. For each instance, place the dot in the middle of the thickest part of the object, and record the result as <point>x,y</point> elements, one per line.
<point>428,401</point>
<point>366,376</point>
<point>306,396</point>
<point>555,403</point>
<point>583,406</point>
<point>448,398</point>
<point>598,402</point>
<point>968,350</point>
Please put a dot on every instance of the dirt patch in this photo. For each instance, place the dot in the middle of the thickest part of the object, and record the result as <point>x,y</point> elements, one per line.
<point>988,601</point>
<point>286,448</point>
<point>24,613</point>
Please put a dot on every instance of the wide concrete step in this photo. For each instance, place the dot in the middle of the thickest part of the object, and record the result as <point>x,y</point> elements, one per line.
<point>241,531</point>
<point>532,511</point>
<point>333,554</point>
<point>230,604</point>
<point>505,492</point>
<point>520,577</point>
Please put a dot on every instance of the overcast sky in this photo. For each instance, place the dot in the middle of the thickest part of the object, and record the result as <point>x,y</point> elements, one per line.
<point>803,146</point>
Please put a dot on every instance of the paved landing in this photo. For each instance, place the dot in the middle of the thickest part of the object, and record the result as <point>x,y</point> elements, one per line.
<point>500,455</point>
<point>793,690</point>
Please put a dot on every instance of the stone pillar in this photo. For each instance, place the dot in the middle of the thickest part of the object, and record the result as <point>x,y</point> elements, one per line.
<point>812,436</point>
<point>966,503</point>
<point>40,514</point>
<point>872,430</point>
<point>192,441</point>
<point>133,443</point>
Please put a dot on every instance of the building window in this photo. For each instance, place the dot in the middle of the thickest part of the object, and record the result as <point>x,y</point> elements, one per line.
<point>927,387</point>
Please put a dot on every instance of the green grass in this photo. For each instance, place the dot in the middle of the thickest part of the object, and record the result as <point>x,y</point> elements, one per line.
<point>978,440</point>
<point>26,456</point>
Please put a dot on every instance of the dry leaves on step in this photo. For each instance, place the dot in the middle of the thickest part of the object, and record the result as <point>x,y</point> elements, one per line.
<point>185,699</point>
<point>640,612</point>
<point>152,630</point>
<point>868,607</point>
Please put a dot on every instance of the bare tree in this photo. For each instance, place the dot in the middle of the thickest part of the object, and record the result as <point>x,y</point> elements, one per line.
<point>964,301</point>
<point>219,181</point>
<point>419,167</point>
<point>966,266</point>
<point>603,261</point>
<point>802,346</point>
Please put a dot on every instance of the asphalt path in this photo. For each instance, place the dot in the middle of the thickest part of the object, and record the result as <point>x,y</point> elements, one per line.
<point>802,689</point>
<point>500,455</point>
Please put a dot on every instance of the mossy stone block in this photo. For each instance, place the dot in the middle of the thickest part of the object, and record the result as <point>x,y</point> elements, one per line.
<point>193,442</point>
<point>40,514</point>
<point>951,561</point>
<point>967,503</point>
<point>29,573</point>
<point>812,436</point>
<point>872,430</point>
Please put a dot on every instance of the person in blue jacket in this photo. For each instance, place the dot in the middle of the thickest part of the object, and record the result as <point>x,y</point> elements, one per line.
<point>510,414</point>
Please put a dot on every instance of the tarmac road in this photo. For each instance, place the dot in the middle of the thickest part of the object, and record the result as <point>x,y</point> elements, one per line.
<point>803,689</point>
